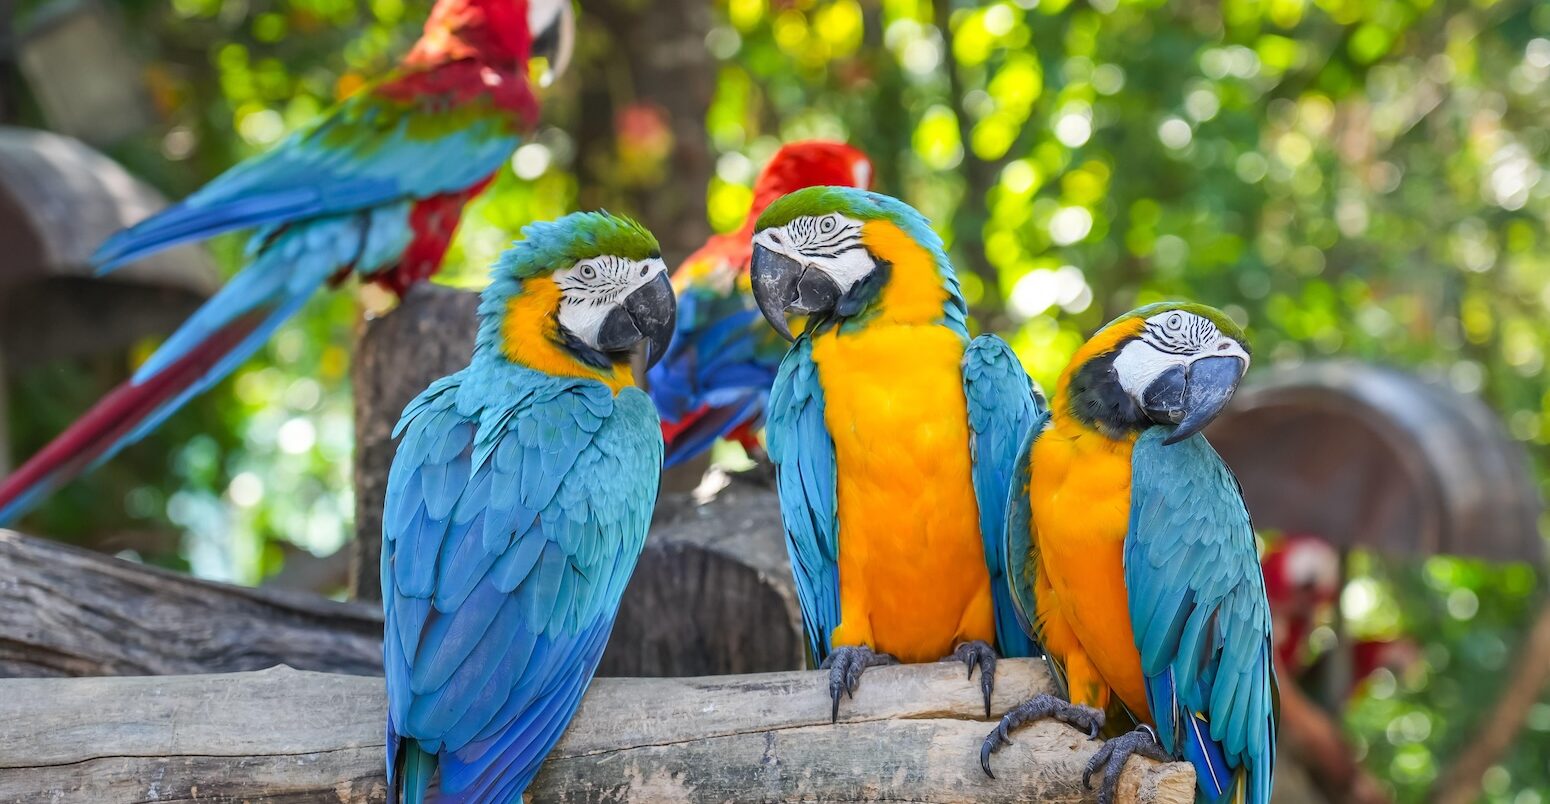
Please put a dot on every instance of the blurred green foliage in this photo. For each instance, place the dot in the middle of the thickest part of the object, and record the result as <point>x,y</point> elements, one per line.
<point>1344,177</point>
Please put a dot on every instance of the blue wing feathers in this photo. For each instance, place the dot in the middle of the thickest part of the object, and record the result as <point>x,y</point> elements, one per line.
<point>803,452</point>
<point>1002,409</point>
<point>497,615</point>
<point>1201,621</point>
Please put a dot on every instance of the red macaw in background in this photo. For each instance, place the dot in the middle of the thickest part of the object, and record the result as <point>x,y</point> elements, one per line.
<point>375,189</point>
<point>1303,582</point>
<point>715,379</point>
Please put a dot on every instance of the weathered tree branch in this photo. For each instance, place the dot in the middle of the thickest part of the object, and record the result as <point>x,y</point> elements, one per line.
<point>69,612</point>
<point>910,734</point>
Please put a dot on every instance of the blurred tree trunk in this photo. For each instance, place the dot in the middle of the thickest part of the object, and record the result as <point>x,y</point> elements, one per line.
<point>649,66</point>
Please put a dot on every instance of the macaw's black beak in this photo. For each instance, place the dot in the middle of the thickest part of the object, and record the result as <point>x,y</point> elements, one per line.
<point>1192,398</point>
<point>649,313</point>
<point>780,283</point>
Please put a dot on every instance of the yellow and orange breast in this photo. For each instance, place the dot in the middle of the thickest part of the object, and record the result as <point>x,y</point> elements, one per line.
<point>911,560</point>
<point>1081,512</point>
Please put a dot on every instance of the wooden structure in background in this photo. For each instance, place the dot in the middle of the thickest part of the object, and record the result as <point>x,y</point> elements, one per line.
<point>1396,464</point>
<point>910,734</point>
<point>59,200</point>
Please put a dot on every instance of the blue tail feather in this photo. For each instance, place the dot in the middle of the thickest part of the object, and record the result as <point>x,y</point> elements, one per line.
<point>186,222</point>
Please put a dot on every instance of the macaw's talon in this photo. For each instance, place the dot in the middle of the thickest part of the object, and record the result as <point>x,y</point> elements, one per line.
<point>845,666</point>
<point>1113,756</point>
<point>1038,707</point>
<point>976,653</point>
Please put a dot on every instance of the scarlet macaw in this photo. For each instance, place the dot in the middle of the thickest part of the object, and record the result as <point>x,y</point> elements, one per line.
<point>517,504</point>
<point>375,188</point>
<point>893,437</point>
<point>715,380</point>
<point>1132,560</point>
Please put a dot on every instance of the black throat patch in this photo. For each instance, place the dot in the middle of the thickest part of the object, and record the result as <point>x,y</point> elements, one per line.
<point>1097,400</point>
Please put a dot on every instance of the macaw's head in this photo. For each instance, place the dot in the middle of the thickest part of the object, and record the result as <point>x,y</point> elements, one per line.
<point>576,295</point>
<point>810,163</point>
<point>1170,363</point>
<point>843,256</point>
<point>536,36</point>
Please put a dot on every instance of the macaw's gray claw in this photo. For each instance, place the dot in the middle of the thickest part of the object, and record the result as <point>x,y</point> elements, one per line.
<point>979,654</point>
<point>1113,756</point>
<point>845,666</point>
<point>1038,707</point>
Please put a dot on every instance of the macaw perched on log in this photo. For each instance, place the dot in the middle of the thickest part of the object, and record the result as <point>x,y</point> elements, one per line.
<point>1132,560</point>
<point>715,380</point>
<point>517,504</point>
<point>893,436</point>
<point>375,189</point>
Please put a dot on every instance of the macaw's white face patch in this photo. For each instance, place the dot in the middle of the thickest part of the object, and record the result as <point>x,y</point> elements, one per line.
<point>593,287</point>
<point>831,243</point>
<point>1171,338</point>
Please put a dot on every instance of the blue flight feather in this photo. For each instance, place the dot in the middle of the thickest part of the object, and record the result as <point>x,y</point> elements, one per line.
<point>1002,408</point>
<point>800,446</point>
<point>493,635</point>
<point>1200,617</point>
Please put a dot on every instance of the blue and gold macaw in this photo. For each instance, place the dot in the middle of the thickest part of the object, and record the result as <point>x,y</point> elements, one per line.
<point>1132,560</point>
<point>893,435</point>
<point>516,507</point>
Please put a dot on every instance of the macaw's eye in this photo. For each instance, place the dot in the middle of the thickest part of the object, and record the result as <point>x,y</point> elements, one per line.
<point>644,269</point>
<point>587,272</point>
<point>1174,321</point>
<point>826,225</point>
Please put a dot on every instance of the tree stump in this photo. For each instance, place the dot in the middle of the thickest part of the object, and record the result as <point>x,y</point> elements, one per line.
<point>712,593</point>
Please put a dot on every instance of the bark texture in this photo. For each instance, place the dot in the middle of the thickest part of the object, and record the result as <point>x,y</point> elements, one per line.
<point>910,734</point>
<point>69,612</point>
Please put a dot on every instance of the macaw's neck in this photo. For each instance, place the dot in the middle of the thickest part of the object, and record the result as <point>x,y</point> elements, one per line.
<point>494,33</point>
<point>1088,396</point>
<point>472,54</point>
<point>911,287</point>
<point>530,336</point>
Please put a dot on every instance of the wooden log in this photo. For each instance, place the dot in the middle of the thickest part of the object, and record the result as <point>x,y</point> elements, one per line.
<point>910,734</point>
<point>69,612</point>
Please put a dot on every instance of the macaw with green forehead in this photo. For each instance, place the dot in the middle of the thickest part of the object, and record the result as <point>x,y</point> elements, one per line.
<point>893,436</point>
<point>517,504</point>
<point>1132,560</point>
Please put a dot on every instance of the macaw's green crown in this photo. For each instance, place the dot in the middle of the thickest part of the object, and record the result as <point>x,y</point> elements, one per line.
<point>1223,322</point>
<point>551,245</point>
<point>852,202</point>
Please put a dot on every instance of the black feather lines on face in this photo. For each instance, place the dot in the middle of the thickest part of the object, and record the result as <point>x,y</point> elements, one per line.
<point>610,277</point>
<point>825,237</point>
<point>1180,333</point>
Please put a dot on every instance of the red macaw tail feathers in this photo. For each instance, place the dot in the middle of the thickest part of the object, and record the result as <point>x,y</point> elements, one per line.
<point>119,419</point>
